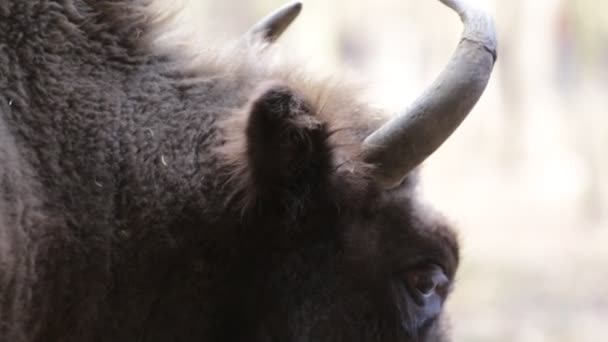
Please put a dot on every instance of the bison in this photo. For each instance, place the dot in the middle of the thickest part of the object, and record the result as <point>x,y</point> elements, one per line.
<point>147,194</point>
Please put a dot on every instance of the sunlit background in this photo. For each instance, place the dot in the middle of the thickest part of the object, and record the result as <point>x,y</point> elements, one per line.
<point>525,178</point>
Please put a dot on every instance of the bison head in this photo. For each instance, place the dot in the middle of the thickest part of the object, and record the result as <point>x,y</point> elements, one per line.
<point>332,245</point>
<point>149,200</point>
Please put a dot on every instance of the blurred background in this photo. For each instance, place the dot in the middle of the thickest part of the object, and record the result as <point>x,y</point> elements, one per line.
<point>525,178</point>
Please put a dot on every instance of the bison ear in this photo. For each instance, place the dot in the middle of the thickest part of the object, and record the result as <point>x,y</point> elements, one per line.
<point>287,148</point>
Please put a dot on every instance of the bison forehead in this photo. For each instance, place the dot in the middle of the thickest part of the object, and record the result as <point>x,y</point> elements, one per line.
<point>399,233</point>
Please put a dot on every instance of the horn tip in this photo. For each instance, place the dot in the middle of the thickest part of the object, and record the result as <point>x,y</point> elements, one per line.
<point>479,23</point>
<point>297,4</point>
<point>294,8</point>
<point>272,26</point>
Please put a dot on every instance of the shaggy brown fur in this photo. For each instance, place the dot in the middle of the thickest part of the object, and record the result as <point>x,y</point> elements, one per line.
<point>151,195</point>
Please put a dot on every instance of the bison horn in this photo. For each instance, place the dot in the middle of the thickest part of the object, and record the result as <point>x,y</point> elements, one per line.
<point>407,139</point>
<point>273,25</point>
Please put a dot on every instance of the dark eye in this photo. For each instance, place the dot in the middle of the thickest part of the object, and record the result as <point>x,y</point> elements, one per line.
<point>428,281</point>
<point>424,283</point>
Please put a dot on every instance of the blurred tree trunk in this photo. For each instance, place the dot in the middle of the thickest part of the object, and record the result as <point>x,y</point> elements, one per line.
<point>582,66</point>
<point>511,90</point>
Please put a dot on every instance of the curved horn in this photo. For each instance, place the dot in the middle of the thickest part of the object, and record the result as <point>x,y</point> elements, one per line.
<point>273,25</point>
<point>406,140</point>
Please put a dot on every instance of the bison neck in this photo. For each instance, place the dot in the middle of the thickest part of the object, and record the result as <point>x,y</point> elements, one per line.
<point>108,144</point>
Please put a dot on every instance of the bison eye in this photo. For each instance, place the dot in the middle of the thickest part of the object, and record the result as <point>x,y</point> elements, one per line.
<point>427,281</point>
<point>425,284</point>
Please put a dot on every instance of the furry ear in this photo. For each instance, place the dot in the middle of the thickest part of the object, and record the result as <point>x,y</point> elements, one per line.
<point>287,150</point>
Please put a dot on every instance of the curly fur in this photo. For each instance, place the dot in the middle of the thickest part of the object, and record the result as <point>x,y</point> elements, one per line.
<point>148,194</point>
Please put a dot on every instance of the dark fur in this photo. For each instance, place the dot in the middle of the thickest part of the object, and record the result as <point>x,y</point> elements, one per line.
<point>146,196</point>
